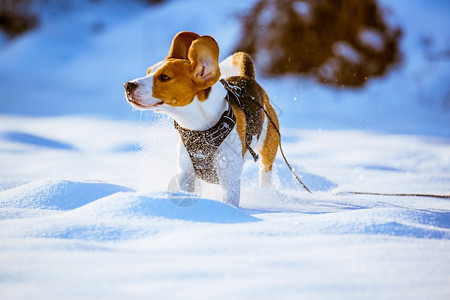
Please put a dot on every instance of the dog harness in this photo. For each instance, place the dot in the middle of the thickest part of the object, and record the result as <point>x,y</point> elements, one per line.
<point>202,145</point>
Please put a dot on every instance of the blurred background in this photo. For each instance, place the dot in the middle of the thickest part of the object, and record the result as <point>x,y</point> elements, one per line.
<point>327,64</point>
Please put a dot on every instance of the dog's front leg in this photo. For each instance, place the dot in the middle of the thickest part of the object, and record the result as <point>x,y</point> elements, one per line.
<point>229,164</point>
<point>230,180</point>
<point>186,176</point>
<point>232,192</point>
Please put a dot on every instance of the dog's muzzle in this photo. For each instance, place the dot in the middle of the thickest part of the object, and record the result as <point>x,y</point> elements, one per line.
<point>135,99</point>
<point>130,87</point>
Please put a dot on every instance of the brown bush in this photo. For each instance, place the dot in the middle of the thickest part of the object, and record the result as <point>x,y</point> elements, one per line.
<point>341,42</point>
<point>15,17</point>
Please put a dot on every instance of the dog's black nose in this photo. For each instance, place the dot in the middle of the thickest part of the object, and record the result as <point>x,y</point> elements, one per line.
<point>130,86</point>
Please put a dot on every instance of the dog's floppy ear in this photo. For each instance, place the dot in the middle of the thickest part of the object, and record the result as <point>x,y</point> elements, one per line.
<point>181,44</point>
<point>204,57</point>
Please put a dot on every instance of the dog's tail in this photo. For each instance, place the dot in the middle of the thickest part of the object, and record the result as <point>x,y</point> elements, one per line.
<point>238,64</point>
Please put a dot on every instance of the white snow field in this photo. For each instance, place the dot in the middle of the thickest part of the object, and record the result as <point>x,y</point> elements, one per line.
<point>86,210</point>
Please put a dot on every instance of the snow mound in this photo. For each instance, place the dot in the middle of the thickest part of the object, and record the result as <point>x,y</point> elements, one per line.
<point>122,215</point>
<point>391,221</point>
<point>163,205</point>
<point>57,194</point>
<point>285,180</point>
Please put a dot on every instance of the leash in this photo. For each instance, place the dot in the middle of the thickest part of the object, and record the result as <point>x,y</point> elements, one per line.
<point>232,89</point>
<point>235,90</point>
<point>396,195</point>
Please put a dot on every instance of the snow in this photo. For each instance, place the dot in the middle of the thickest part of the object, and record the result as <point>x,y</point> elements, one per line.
<point>86,210</point>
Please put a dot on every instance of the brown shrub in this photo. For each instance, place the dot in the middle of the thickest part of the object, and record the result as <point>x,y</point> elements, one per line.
<point>341,42</point>
<point>15,17</point>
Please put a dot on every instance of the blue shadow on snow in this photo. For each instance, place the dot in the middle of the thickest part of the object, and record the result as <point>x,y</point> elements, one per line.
<point>30,139</point>
<point>131,147</point>
<point>381,168</point>
<point>96,232</point>
<point>398,229</point>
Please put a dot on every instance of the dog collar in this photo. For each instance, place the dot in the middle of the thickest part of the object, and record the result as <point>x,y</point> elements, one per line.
<point>201,145</point>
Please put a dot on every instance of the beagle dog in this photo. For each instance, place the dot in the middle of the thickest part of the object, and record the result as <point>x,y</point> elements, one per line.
<point>189,85</point>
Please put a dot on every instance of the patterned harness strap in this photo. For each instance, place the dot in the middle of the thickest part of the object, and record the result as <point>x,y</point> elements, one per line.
<point>202,145</point>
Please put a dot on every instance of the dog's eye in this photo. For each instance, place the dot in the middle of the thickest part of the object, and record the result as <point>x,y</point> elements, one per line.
<point>164,77</point>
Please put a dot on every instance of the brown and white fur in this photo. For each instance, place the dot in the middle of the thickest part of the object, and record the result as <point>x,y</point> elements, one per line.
<point>186,87</point>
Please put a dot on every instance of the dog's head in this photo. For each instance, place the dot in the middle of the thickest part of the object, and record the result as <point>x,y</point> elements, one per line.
<point>191,67</point>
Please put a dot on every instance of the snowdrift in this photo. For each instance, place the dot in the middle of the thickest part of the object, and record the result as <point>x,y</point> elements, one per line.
<point>85,209</point>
